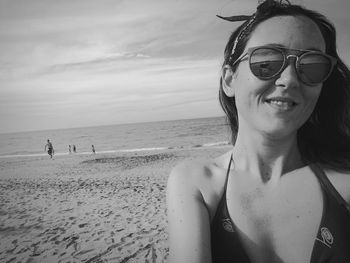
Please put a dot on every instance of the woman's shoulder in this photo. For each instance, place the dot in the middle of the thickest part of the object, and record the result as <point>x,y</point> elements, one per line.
<point>199,170</point>
<point>197,183</point>
<point>204,178</point>
<point>192,169</point>
<point>341,181</point>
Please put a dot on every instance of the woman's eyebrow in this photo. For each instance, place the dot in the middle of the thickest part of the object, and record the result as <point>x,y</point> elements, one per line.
<point>282,46</point>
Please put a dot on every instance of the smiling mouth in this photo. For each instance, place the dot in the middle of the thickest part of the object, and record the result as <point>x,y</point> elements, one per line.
<point>281,103</point>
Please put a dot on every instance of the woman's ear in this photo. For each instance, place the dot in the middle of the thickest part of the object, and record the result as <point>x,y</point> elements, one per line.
<point>228,76</point>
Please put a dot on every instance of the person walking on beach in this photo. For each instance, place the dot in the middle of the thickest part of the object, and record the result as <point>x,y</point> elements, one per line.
<point>69,149</point>
<point>282,192</point>
<point>93,149</point>
<point>49,148</point>
<point>74,148</point>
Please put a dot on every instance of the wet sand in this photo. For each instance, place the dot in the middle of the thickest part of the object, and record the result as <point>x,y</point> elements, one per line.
<point>88,208</point>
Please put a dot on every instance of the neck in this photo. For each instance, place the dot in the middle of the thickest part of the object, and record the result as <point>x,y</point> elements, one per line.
<point>266,157</point>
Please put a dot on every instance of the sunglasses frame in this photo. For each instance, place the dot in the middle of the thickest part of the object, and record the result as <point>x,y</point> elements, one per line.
<point>286,56</point>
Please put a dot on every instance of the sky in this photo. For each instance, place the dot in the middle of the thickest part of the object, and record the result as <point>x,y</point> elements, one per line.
<point>79,63</point>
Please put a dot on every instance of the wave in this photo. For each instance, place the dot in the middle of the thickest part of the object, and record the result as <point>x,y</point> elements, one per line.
<point>148,149</point>
<point>216,144</point>
<point>145,149</point>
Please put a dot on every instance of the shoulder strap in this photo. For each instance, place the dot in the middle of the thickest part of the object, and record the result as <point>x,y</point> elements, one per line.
<point>221,208</point>
<point>228,171</point>
<point>328,186</point>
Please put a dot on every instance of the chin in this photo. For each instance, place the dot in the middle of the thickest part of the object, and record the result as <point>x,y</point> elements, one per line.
<point>281,131</point>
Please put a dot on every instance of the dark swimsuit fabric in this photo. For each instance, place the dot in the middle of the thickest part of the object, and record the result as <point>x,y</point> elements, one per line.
<point>332,244</point>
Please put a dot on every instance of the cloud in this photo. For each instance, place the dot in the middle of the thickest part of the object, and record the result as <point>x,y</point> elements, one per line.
<point>68,33</point>
<point>87,62</point>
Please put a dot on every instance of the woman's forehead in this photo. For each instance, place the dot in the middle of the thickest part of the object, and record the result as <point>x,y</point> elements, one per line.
<point>291,31</point>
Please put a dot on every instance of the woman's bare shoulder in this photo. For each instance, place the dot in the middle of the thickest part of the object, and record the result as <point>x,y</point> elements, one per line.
<point>199,179</point>
<point>191,169</point>
<point>196,185</point>
<point>341,182</point>
<point>195,171</point>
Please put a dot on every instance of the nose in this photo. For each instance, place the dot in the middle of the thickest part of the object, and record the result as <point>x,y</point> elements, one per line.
<point>288,78</point>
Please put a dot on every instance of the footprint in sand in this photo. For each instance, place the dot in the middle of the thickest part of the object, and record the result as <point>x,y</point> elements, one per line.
<point>82,225</point>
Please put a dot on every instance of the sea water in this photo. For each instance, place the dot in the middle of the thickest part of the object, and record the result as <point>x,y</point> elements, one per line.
<point>149,136</point>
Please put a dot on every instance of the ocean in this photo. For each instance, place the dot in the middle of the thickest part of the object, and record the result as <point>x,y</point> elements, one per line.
<point>135,137</point>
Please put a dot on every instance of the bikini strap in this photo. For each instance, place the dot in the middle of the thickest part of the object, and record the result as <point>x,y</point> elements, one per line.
<point>222,208</point>
<point>328,186</point>
<point>228,171</point>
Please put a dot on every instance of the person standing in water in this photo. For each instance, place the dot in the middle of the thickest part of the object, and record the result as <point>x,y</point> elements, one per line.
<point>49,147</point>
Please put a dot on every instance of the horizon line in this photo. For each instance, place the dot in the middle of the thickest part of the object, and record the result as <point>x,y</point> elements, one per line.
<point>113,124</point>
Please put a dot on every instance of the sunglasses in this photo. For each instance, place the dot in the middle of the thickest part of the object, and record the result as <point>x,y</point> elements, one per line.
<point>312,67</point>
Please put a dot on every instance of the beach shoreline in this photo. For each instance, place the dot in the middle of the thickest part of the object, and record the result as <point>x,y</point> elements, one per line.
<point>89,208</point>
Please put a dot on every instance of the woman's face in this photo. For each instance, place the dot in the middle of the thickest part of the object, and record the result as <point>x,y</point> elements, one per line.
<point>278,106</point>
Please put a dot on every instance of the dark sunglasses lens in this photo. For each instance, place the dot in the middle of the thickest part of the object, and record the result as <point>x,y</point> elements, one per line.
<point>265,63</point>
<point>314,68</point>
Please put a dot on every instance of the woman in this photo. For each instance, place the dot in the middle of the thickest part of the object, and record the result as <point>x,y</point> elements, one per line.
<point>282,193</point>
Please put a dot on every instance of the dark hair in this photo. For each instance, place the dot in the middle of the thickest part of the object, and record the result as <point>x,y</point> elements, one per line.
<point>325,137</point>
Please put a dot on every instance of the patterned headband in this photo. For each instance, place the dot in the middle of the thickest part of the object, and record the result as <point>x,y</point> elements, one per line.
<point>263,6</point>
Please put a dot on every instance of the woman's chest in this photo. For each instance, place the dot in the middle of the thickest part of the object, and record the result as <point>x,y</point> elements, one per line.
<point>278,224</point>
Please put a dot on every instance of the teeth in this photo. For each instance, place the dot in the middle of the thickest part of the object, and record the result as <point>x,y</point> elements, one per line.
<point>282,104</point>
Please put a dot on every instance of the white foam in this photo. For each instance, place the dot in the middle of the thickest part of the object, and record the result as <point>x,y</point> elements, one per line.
<point>212,144</point>
<point>215,144</point>
<point>83,153</point>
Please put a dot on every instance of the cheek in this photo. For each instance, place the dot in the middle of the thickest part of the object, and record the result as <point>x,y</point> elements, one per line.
<point>248,89</point>
<point>248,100</point>
<point>313,93</point>
<point>312,97</point>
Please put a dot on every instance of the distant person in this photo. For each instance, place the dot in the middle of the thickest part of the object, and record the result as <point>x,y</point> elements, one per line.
<point>74,148</point>
<point>70,148</point>
<point>50,150</point>
<point>93,149</point>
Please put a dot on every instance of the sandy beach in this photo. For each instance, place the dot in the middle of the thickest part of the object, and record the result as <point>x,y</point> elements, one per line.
<point>88,208</point>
